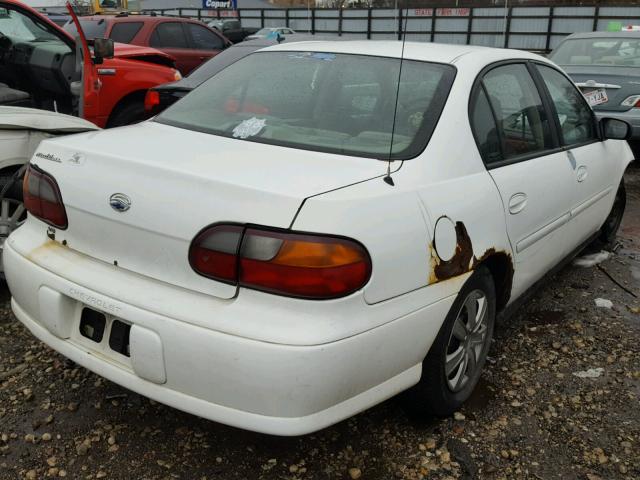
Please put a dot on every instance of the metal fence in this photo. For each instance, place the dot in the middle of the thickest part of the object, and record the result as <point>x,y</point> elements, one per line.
<point>538,28</point>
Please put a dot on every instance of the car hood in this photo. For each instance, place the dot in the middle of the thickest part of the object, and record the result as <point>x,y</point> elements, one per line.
<point>19,118</point>
<point>136,52</point>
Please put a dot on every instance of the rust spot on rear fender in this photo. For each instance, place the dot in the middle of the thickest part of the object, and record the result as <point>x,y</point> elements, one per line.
<point>464,261</point>
<point>459,264</point>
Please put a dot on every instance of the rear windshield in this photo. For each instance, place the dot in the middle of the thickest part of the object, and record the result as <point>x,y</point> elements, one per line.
<point>91,28</point>
<point>222,60</point>
<point>599,51</point>
<point>328,102</point>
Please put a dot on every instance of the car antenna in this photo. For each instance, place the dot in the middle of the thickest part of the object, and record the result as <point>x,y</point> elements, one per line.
<point>387,178</point>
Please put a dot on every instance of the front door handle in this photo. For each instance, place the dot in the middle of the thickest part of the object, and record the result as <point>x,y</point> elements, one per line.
<point>517,202</point>
<point>582,173</point>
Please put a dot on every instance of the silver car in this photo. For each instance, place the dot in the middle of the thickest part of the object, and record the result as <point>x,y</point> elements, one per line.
<point>606,67</point>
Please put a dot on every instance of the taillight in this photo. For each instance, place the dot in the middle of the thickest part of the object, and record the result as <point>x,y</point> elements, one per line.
<point>632,101</point>
<point>214,251</point>
<point>42,197</point>
<point>281,262</point>
<point>151,100</point>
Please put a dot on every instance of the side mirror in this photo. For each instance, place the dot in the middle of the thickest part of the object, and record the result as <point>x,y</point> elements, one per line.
<point>102,48</point>
<point>615,129</point>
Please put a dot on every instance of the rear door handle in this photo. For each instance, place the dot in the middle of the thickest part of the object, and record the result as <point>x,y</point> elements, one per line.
<point>517,202</point>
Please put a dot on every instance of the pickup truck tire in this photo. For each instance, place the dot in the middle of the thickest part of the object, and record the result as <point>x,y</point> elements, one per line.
<point>127,114</point>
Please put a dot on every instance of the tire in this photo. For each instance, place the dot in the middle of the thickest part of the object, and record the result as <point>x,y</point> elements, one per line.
<point>438,393</point>
<point>130,113</point>
<point>609,229</point>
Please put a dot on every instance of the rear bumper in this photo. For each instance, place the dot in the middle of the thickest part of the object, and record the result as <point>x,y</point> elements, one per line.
<point>267,387</point>
<point>632,117</point>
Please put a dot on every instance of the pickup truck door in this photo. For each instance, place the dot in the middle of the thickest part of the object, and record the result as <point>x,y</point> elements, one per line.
<point>88,98</point>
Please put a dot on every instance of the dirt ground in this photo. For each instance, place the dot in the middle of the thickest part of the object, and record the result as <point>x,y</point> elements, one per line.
<point>530,417</point>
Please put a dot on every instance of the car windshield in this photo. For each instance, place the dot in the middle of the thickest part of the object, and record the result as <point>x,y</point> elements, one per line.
<point>599,51</point>
<point>91,28</point>
<point>328,102</point>
<point>17,26</point>
<point>264,31</point>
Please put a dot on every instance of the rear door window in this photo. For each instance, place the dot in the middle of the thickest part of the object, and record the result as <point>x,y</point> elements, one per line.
<point>484,128</point>
<point>169,35</point>
<point>125,32</point>
<point>520,116</point>
<point>204,39</point>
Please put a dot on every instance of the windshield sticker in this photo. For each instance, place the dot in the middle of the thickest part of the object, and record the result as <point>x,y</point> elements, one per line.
<point>327,57</point>
<point>249,128</point>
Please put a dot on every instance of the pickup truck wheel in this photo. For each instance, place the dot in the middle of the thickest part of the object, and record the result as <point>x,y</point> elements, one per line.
<point>454,363</point>
<point>611,225</point>
<point>128,114</point>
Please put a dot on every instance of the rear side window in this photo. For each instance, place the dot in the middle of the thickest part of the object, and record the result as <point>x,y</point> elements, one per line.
<point>484,128</point>
<point>203,38</point>
<point>169,35</point>
<point>125,32</point>
<point>574,115</point>
<point>520,116</point>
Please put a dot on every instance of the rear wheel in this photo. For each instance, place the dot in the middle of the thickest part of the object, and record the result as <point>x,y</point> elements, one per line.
<point>609,229</point>
<point>454,363</point>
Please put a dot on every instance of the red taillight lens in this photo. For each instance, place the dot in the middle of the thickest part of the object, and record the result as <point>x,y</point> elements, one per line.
<point>42,197</point>
<point>151,100</point>
<point>281,262</point>
<point>214,252</point>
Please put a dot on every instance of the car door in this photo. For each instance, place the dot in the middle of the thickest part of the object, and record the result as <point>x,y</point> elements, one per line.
<point>204,43</point>
<point>171,37</point>
<point>519,145</point>
<point>593,184</point>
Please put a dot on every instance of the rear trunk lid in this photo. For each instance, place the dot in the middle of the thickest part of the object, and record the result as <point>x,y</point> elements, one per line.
<point>178,182</point>
<point>618,82</point>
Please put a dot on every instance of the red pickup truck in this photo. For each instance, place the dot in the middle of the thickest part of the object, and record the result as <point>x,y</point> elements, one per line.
<point>42,66</point>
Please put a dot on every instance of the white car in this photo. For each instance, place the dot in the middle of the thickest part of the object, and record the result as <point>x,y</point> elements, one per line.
<point>291,244</point>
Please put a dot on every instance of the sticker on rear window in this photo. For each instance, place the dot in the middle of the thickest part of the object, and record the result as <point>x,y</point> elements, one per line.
<point>327,57</point>
<point>249,128</point>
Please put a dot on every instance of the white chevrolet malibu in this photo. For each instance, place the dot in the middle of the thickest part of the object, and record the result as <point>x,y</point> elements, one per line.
<point>317,228</point>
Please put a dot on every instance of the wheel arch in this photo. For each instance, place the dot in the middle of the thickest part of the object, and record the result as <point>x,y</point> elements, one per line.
<point>500,265</point>
<point>131,97</point>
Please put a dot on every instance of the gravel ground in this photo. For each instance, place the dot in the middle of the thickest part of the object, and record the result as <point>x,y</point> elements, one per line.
<point>531,417</point>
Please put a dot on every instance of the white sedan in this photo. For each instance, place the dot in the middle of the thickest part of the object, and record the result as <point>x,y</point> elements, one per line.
<point>291,243</point>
